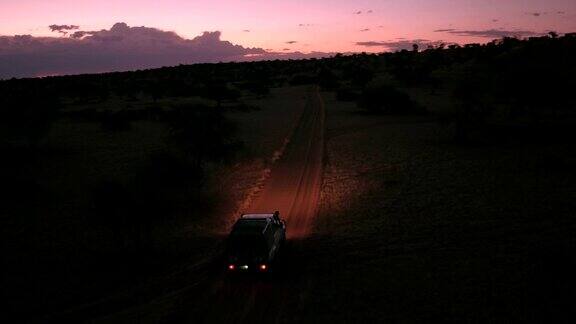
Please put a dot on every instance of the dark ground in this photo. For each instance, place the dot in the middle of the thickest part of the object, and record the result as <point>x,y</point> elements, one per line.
<point>448,188</point>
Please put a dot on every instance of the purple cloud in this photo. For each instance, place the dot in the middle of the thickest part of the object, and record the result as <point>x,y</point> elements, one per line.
<point>291,42</point>
<point>490,33</point>
<point>63,29</point>
<point>536,13</point>
<point>291,55</point>
<point>123,48</point>
<point>120,48</point>
<point>80,34</point>
<point>59,28</point>
<point>399,45</point>
<point>365,29</point>
<point>371,44</point>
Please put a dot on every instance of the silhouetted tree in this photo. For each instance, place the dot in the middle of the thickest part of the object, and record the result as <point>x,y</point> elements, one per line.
<point>29,114</point>
<point>203,134</point>
<point>383,98</point>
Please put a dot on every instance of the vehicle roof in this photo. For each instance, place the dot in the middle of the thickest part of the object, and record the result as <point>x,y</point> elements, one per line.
<point>247,226</point>
<point>256,216</point>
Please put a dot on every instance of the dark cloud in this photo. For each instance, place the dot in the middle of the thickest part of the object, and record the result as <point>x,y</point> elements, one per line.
<point>369,11</point>
<point>285,49</point>
<point>123,48</point>
<point>59,28</point>
<point>291,42</point>
<point>291,55</point>
<point>305,25</point>
<point>80,34</point>
<point>371,44</point>
<point>246,30</point>
<point>560,12</point>
<point>117,49</point>
<point>358,12</point>
<point>399,45</point>
<point>490,33</point>
<point>494,20</point>
<point>365,29</point>
<point>63,29</point>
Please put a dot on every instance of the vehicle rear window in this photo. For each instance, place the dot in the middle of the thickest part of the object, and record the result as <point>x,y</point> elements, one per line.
<point>246,244</point>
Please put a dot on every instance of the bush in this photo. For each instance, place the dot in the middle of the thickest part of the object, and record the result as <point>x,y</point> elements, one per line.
<point>116,121</point>
<point>259,87</point>
<point>28,115</point>
<point>203,134</point>
<point>165,184</point>
<point>328,80</point>
<point>220,92</point>
<point>301,79</point>
<point>347,94</point>
<point>387,99</point>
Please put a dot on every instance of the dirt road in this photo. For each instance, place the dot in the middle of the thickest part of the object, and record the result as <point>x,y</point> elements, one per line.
<point>205,293</point>
<point>293,189</point>
<point>294,185</point>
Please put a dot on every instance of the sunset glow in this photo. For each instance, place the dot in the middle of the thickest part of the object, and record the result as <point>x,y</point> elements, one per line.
<point>300,26</point>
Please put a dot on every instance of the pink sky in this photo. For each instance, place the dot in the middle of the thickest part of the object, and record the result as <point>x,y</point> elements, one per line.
<point>139,34</point>
<point>329,25</point>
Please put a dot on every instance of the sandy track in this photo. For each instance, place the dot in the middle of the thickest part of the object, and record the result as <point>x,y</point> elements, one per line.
<point>294,185</point>
<point>294,189</point>
<point>205,293</point>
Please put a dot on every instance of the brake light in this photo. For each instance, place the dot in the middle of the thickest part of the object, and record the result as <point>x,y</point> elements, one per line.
<point>263,267</point>
<point>231,267</point>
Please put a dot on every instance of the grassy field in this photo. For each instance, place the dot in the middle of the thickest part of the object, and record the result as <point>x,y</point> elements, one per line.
<point>415,229</point>
<point>448,192</point>
<point>67,258</point>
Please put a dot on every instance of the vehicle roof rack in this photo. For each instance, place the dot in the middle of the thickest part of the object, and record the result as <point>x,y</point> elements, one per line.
<point>257,216</point>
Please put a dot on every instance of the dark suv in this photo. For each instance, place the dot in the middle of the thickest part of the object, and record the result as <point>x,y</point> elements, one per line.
<point>254,242</point>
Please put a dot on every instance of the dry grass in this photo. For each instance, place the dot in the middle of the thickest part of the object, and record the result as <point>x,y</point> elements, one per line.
<point>79,155</point>
<point>415,230</point>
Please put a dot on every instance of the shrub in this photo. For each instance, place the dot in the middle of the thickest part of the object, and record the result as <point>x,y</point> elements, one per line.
<point>328,80</point>
<point>28,115</point>
<point>163,185</point>
<point>203,134</point>
<point>347,94</point>
<point>301,79</point>
<point>387,99</point>
<point>116,121</point>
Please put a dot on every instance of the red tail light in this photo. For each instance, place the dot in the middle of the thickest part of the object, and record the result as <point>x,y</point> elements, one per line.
<point>231,267</point>
<point>263,267</point>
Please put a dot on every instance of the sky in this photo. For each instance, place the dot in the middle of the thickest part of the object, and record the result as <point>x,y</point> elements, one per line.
<point>277,27</point>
